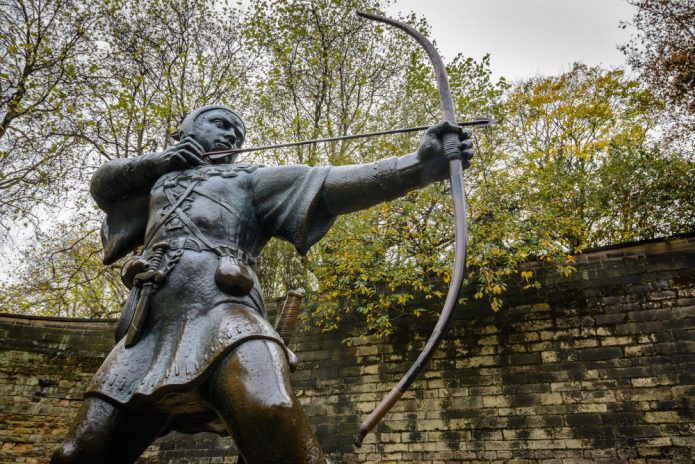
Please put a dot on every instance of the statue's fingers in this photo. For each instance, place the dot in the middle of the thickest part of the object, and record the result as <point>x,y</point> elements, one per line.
<point>466,155</point>
<point>191,157</point>
<point>445,127</point>
<point>438,129</point>
<point>430,132</point>
<point>178,160</point>
<point>466,134</point>
<point>465,145</point>
<point>196,145</point>
<point>192,146</point>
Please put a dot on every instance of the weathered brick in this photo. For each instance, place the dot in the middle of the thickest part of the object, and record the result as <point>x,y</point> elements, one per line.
<point>595,354</point>
<point>595,368</point>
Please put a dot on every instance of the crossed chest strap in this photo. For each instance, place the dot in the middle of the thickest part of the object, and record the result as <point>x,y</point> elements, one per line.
<point>202,241</point>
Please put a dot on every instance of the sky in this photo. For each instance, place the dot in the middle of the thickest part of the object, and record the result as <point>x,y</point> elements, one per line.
<point>526,38</point>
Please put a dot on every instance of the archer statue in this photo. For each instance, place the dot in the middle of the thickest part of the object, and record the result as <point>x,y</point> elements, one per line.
<point>195,349</point>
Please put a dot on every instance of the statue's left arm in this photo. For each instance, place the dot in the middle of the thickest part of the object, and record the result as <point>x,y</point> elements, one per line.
<point>299,203</point>
<point>355,187</point>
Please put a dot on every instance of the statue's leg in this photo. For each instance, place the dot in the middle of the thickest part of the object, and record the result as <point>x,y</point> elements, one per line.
<point>252,393</point>
<point>105,433</point>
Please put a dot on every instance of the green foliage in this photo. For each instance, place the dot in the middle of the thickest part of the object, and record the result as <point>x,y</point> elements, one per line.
<point>645,192</point>
<point>395,259</point>
<point>66,278</point>
<point>587,167</point>
<point>154,61</point>
<point>117,91</point>
<point>384,263</point>
<point>571,164</point>
<point>325,73</point>
<point>41,44</point>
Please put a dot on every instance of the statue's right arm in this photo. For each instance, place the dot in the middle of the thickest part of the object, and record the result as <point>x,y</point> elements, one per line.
<point>124,177</point>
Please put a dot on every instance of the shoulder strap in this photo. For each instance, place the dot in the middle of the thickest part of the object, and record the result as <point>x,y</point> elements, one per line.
<point>183,217</point>
<point>175,204</point>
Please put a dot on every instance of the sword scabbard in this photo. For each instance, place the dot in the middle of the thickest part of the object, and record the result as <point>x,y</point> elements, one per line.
<point>137,324</point>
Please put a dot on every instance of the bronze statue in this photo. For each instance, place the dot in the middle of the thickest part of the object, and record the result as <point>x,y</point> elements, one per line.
<point>204,356</point>
<point>195,349</point>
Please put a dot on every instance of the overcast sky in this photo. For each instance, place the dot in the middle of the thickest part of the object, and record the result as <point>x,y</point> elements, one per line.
<point>526,37</point>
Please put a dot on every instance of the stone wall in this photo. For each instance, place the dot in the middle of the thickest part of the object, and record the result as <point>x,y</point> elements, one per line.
<point>598,367</point>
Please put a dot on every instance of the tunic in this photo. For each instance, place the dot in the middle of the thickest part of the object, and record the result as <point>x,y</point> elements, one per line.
<point>191,323</point>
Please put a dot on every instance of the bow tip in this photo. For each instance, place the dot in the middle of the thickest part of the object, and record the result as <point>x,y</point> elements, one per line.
<point>364,14</point>
<point>359,437</point>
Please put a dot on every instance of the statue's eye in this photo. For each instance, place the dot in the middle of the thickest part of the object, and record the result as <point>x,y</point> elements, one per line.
<point>219,123</point>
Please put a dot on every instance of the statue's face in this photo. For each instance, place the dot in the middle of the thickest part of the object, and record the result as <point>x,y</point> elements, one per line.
<point>218,130</point>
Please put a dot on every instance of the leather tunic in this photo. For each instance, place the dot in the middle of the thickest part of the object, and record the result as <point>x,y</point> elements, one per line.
<point>191,323</point>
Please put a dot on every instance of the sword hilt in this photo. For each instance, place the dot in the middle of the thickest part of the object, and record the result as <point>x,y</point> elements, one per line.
<point>147,281</point>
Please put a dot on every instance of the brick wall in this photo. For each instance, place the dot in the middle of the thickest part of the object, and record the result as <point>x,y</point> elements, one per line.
<point>595,368</point>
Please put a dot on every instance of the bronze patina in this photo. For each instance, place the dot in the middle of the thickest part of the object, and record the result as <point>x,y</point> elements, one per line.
<point>195,350</point>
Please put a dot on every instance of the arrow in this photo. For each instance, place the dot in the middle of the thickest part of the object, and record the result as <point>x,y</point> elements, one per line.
<point>477,122</point>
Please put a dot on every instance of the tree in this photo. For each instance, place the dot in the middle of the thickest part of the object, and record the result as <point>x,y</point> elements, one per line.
<point>142,67</point>
<point>155,61</point>
<point>572,137</point>
<point>395,259</point>
<point>663,51</point>
<point>570,165</point>
<point>41,84</point>
<point>325,73</point>
<point>546,182</point>
<point>642,192</point>
<point>65,277</point>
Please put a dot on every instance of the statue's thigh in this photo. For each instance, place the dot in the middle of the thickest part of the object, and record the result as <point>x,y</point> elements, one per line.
<point>105,433</point>
<point>252,393</point>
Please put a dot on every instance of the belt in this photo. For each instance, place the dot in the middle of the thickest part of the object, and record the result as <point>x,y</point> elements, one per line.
<point>221,249</point>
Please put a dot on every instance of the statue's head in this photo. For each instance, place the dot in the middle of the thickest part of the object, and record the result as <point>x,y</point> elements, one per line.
<point>215,128</point>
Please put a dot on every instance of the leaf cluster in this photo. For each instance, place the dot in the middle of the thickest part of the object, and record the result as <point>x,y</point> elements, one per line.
<point>41,48</point>
<point>573,162</point>
<point>662,50</point>
<point>67,277</point>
